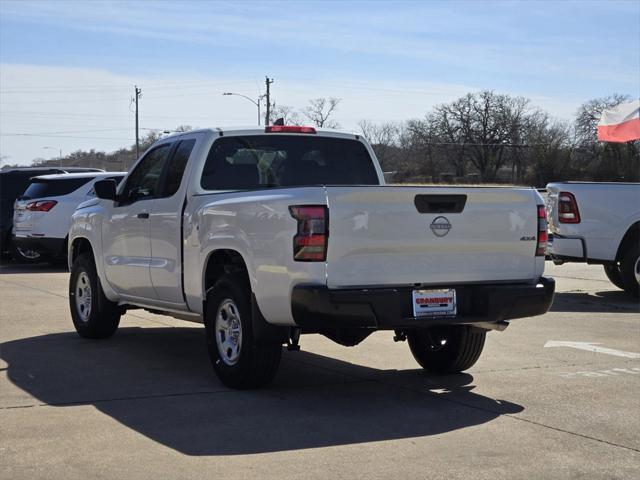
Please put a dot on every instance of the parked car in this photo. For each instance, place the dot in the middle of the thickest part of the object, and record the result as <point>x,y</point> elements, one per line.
<point>42,214</point>
<point>597,223</point>
<point>264,234</point>
<point>13,183</point>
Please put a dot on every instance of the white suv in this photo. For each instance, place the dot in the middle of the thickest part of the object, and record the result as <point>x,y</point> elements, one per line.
<point>42,215</point>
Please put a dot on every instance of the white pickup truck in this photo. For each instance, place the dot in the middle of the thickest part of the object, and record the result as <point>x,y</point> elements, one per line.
<point>264,234</point>
<point>597,223</point>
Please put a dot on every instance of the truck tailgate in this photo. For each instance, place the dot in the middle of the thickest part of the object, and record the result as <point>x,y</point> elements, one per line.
<point>378,236</point>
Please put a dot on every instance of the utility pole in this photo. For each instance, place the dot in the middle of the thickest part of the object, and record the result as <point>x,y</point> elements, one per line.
<point>268,82</point>
<point>137,96</point>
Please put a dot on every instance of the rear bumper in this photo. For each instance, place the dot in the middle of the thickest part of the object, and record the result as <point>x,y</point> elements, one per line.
<point>44,245</point>
<point>317,308</point>
<point>567,248</point>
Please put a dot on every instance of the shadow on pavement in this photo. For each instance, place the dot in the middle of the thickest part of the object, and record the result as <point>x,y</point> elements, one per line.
<point>44,267</point>
<point>158,382</point>
<point>600,302</point>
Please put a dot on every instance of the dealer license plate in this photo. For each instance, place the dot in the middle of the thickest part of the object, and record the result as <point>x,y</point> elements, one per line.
<point>434,303</point>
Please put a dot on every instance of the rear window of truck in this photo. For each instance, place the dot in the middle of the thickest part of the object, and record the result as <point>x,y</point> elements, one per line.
<point>269,161</point>
<point>53,188</point>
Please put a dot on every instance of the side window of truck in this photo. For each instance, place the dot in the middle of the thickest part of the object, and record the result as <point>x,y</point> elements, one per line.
<point>144,180</point>
<point>175,169</point>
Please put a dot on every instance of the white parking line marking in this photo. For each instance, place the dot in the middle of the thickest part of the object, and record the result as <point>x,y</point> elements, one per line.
<point>611,372</point>
<point>591,347</point>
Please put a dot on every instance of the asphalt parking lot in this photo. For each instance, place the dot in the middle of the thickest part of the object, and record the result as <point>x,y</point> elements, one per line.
<point>145,404</point>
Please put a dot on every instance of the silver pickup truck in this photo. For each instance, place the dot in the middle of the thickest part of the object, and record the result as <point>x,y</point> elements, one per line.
<point>264,234</point>
<point>597,223</point>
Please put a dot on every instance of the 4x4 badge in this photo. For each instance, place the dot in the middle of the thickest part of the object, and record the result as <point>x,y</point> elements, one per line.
<point>440,226</point>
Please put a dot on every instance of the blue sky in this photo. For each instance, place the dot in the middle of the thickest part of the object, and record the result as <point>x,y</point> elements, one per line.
<point>67,69</point>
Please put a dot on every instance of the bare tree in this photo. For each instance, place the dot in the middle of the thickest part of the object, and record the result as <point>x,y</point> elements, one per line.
<point>288,114</point>
<point>385,141</point>
<point>548,155</point>
<point>320,109</point>
<point>604,161</point>
<point>442,143</point>
<point>589,114</point>
<point>149,139</point>
<point>487,124</point>
<point>380,134</point>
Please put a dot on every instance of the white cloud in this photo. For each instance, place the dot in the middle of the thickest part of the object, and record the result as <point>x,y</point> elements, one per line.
<point>490,37</point>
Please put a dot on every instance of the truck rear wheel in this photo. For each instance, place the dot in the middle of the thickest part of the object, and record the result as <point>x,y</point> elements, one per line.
<point>447,349</point>
<point>94,316</point>
<point>237,359</point>
<point>630,269</point>
<point>614,274</point>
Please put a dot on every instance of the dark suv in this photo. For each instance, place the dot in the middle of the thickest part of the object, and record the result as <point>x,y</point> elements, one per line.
<point>13,182</point>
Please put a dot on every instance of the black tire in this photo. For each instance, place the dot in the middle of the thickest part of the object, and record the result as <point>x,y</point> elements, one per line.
<point>103,316</point>
<point>447,349</point>
<point>255,364</point>
<point>614,274</point>
<point>630,268</point>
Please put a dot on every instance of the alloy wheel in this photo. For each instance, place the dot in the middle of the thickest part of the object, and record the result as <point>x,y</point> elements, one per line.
<point>83,296</point>
<point>228,332</point>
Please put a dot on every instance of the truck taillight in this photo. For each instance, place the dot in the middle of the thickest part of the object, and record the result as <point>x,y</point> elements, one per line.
<point>310,241</point>
<point>43,206</point>
<point>541,246</point>
<point>288,129</point>
<point>568,208</point>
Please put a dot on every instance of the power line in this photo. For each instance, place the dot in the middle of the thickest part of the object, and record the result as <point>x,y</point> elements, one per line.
<point>74,101</point>
<point>75,89</point>
<point>75,131</point>
<point>109,99</point>
<point>93,115</point>
<point>63,114</point>
<point>60,136</point>
<point>465,144</point>
<point>87,131</point>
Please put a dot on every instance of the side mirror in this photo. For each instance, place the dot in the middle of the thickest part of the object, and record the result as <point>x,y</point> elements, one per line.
<point>105,189</point>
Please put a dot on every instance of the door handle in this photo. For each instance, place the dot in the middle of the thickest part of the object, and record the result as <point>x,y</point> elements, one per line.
<point>143,215</point>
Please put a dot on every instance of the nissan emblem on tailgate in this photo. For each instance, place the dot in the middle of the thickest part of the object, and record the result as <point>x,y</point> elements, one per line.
<point>440,226</point>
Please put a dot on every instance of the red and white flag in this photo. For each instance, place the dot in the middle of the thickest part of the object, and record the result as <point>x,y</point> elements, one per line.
<point>621,123</point>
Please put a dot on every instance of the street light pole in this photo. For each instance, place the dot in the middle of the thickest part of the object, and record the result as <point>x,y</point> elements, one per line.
<point>59,156</point>
<point>257,104</point>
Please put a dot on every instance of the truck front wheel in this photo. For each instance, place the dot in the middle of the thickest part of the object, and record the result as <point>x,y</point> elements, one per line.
<point>446,349</point>
<point>238,360</point>
<point>630,269</point>
<point>94,316</point>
